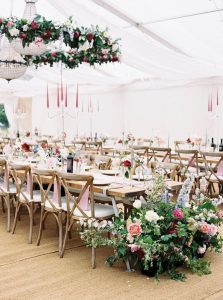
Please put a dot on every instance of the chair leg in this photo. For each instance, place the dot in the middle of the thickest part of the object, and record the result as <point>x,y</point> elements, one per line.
<point>60,225</point>
<point>42,218</point>
<point>93,261</point>
<point>3,205</point>
<point>18,205</point>
<point>30,209</point>
<point>7,199</point>
<point>65,236</point>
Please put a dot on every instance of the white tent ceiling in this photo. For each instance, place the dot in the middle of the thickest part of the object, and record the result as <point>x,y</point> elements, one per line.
<point>164,43</point>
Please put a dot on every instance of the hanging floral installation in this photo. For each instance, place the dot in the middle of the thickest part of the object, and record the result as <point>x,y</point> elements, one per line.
<point>77,44</point>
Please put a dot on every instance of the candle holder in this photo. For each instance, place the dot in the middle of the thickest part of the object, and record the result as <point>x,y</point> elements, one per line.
<point>62,114</point>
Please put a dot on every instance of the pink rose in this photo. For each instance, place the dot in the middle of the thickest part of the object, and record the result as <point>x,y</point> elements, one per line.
<point>220,214</point>
<point>53,53</point>
<point>204,227</point>
<point>10,24</point>
<point>212,229</point>
<point>134,229</point>
<point>134,248</point>
<point>178,214</point>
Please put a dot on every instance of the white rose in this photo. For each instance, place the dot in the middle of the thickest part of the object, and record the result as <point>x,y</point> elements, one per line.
<point>115,47</point>
<point>103,224</point>
<point>105,51</point>
<point>84,47</point>
<point>14,32</point>
<point>137,204</point>
<point>25,28</point>
<point>151,215</point>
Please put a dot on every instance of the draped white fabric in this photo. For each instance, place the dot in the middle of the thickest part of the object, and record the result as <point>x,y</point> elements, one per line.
<point>157,51</point>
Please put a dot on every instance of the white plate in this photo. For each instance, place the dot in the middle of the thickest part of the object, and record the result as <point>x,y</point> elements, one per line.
<point>145,177</point>
<point>101,182</point>
<point>110,172</point>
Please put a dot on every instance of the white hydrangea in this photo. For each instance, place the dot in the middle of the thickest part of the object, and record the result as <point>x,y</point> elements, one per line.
<point>14,31</point>
<point>151,216</point>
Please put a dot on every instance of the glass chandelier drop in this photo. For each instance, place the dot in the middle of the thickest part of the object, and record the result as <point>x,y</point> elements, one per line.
<point>12,65</point>
<point>36,48</point>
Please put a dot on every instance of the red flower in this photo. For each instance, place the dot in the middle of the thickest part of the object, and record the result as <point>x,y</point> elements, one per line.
<point>34,25</point>
<point>90,36</point>
<point>23,35</point>
<point>1,20</point>
<point>76,34</point>
<point>115,58</point>
<point>172,229</point>
<point>25,147</point>
<point>57,150</point>
<point>47,34</point>
<point>85,59</point>
<point>127,164</point>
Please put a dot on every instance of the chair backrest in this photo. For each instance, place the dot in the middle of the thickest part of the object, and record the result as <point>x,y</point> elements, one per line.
<point>170,169</point>
<point>188,158</point>
<point>21,175</point>
<point>78,203</point>
<point>48,179</point>
<point>213,165</point>
<point>102,162</point>
<point>160,152</point>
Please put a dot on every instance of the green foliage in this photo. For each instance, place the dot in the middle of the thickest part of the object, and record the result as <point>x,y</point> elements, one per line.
<point>3,118</point>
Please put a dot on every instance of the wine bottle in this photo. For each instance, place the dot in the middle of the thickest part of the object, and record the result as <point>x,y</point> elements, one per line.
<point>221,146</point>
<point>213,145</point>
<point>70,163</point>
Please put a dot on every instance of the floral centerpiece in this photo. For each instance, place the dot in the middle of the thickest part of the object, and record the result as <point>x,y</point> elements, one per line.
<point>126,163</point>
<point>160,235</point>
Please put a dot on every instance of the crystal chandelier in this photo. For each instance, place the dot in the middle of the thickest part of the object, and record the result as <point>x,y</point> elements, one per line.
<point>12,65</point>
<point>37,47</point>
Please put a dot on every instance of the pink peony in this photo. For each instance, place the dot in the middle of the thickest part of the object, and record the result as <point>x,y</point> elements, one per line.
<point>134,248</point>
<point>134,229</point>
<point>10,24</point>
<point>203,227</point>
<point>212,229</point>
<point>178,214</point>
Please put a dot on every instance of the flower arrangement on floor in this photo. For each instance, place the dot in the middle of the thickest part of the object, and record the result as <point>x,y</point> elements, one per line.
<point>160,235</point>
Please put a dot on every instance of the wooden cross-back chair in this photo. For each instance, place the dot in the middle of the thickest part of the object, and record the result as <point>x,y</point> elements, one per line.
<point>213,170</point>
<point>51,202</point>
<point>8,191</point>
<point>188,160</point>
<point>102,162</point>
<point>82,206</point>
<point>26,197</point>
<point>170,169</point>
<point>160,154</point>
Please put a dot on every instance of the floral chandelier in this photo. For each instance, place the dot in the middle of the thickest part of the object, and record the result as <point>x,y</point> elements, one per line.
<point>36,39</point>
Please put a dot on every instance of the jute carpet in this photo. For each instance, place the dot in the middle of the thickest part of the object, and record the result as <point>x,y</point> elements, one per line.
<point>31,272</point>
